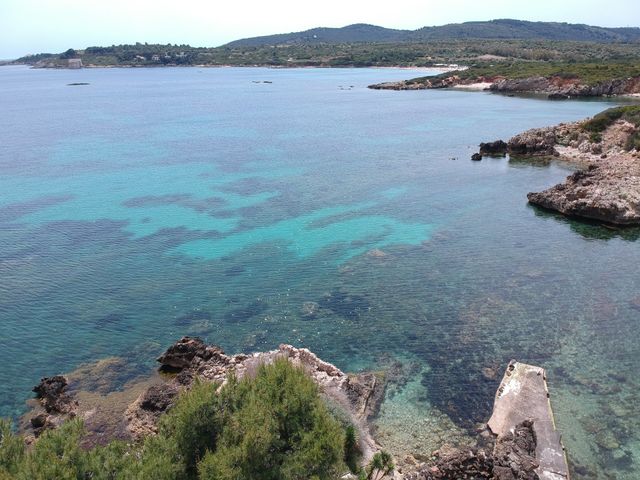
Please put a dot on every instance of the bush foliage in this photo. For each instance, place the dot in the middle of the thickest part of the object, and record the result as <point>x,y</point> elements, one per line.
<point>599,123</point>
<point>271,426</point>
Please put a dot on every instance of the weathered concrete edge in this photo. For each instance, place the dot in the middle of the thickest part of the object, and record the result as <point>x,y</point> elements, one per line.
<point>521,385</point>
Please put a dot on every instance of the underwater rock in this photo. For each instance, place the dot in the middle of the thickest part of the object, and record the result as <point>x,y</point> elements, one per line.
<point>253,309</point>
<point>234,271</point>
<point>347,305</point>
<point>376,253</point>
<point>607,440</point>
<point>309,309</point>
<point>192,317</point>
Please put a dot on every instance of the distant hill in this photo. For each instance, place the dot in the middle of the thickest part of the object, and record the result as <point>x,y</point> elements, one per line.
<point>504,29</point>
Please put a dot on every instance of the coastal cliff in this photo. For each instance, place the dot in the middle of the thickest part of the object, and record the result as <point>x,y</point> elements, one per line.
<point>605,148</point>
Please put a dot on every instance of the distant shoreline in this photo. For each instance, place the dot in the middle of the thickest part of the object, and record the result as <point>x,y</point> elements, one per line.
<point>439,68</point>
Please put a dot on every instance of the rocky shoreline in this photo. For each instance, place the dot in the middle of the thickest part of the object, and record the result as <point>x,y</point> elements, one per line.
<point>506,448</point>
<point>606,186</point>
<point>554,87</point>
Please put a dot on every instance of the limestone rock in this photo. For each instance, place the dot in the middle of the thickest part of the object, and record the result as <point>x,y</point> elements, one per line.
<point>185,351</point>
<point>609,193</point>
<point>537,141</point>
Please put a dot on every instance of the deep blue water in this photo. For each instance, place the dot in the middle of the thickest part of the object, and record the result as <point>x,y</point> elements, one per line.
<point>155,203</point>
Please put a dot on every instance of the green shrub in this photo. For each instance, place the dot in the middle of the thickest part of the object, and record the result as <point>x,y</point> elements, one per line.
<point>595,137</point>
<point>278,429</point>
<point>352,453</point>
<point>194,424</point>
<point>633,142</point>
<point>12,450</point>
<point>271,426</point>
<point>604,120</point>
<point>56,454</point>
<point>380,465</point>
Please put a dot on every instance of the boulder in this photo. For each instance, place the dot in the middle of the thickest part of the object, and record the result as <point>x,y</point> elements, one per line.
<point>51,393</point>
<point>535,142</point>
<point>476,157</point>
<point>187,351</point>
<point>498,148</point>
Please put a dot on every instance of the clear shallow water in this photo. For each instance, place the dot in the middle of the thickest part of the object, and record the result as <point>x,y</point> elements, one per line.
<point>156,203</point>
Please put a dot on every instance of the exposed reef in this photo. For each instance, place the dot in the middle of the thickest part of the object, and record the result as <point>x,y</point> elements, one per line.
<point>605,149</point>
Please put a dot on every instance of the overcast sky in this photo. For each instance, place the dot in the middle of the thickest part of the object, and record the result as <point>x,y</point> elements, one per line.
<point>32,26</point>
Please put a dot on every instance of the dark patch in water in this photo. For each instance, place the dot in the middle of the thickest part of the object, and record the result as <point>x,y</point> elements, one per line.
<point>14,211</point>
<point>349,306</point>
<point>203,205</point>
<point>255,308</point>
<point>192,317</point>
<point>247,186</point>
<point>112,321</point>
<point>234,271</point>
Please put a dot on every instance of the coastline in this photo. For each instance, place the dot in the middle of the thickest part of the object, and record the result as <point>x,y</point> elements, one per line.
<point>604,149</point>
<point>134,412</point>
<point>439,68</point>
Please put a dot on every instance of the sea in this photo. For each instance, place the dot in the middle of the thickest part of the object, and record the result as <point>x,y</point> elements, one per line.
<point>253,207</point>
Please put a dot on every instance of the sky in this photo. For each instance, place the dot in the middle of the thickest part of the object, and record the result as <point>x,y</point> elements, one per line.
<point>34,26</point>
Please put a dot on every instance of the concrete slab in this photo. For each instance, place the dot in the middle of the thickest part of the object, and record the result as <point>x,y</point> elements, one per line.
<point>523,395</point>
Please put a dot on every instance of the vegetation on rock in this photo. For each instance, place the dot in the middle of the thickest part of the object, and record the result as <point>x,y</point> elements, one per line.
<point>273,425</point>
<point>603,120</point>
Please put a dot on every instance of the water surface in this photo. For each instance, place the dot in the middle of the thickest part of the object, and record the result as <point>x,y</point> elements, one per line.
<point>155,203</point>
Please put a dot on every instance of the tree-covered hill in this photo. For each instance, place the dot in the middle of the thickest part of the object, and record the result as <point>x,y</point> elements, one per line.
<point>493,29</point>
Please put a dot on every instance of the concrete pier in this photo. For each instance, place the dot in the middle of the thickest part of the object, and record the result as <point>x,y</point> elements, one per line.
<point>523,396</point>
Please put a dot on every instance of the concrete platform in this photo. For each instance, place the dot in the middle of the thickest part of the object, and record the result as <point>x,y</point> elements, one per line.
<point>523,395</point>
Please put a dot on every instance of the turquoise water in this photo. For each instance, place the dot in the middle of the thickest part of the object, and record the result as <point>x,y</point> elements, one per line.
<point>155,203</point>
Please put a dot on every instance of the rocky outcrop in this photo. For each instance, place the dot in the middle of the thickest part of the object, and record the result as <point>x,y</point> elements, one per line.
<point>359,395</point>
<point>189,353</point>
<point>512,458</point>
<point>423,84</point>
<point>538,141</point>
<point>497,148</point>
<point>535,142</point>
<point>555,86</point>
<point>609,194</point>
<point>607,186</point>
<point>58,406</point>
